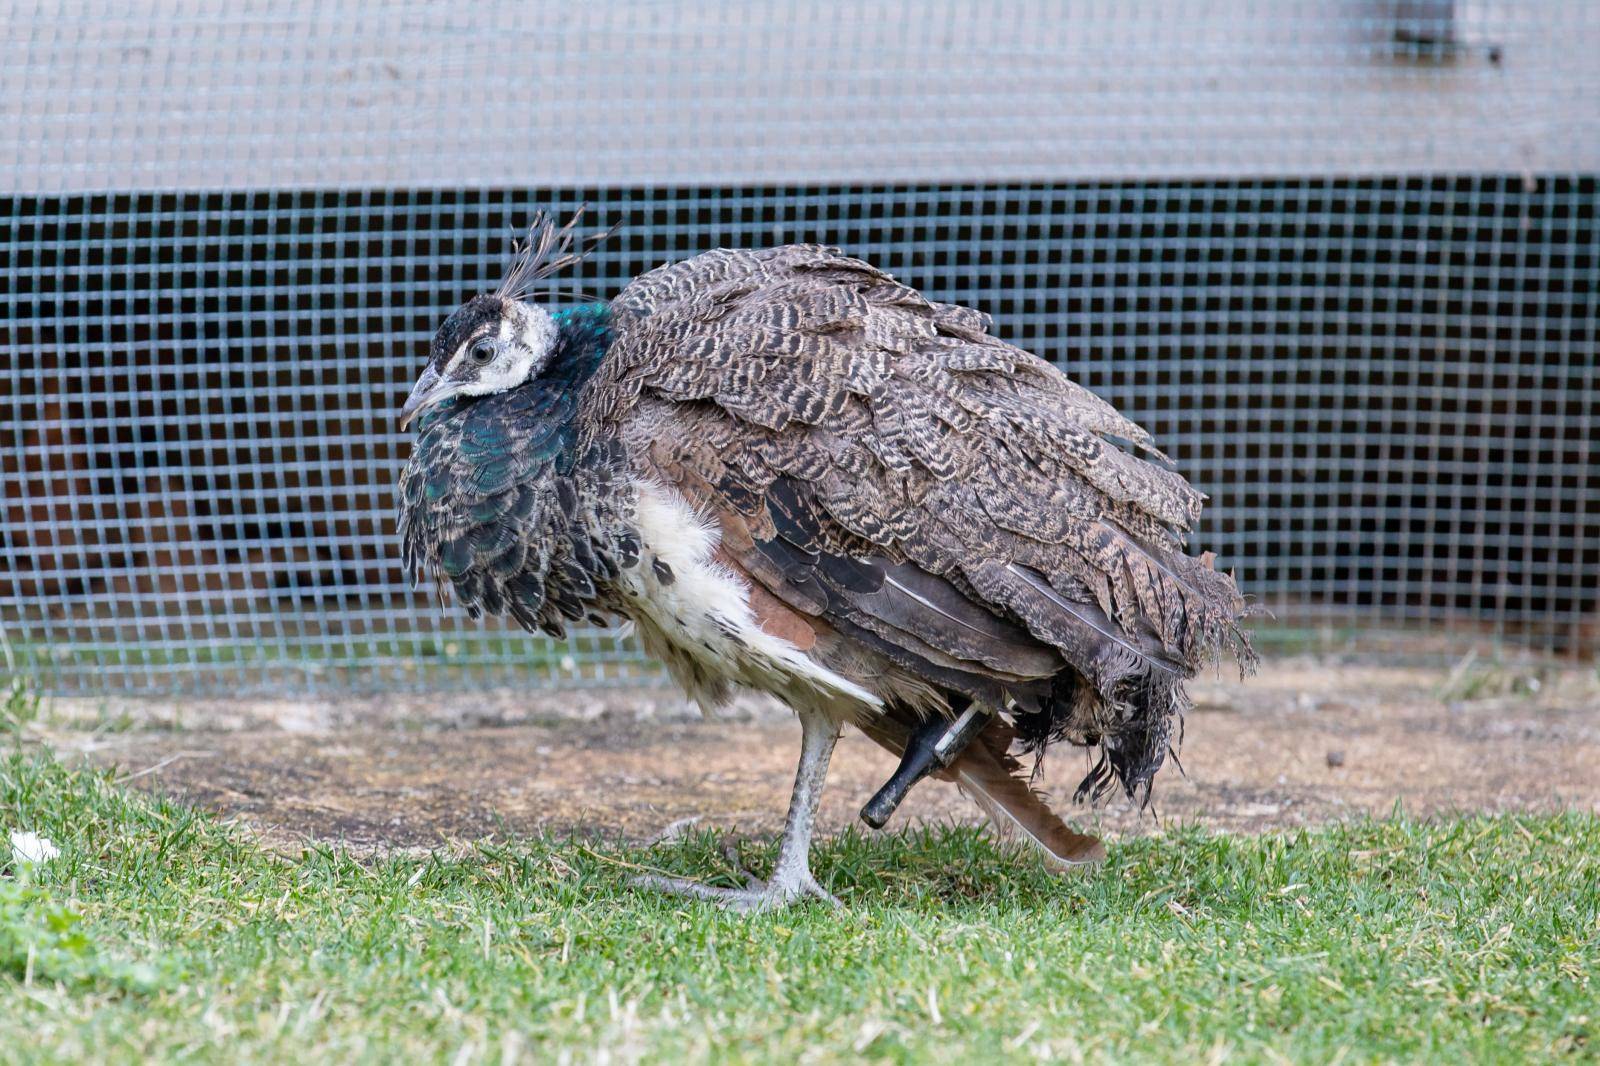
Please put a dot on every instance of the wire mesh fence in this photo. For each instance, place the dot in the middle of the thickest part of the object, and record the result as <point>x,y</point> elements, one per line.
<point>1383,370</point>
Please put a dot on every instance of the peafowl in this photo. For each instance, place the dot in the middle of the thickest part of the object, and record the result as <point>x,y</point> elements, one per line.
<point>795,474</point>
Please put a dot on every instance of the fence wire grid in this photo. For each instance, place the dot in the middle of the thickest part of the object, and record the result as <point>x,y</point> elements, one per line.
<point>1339,257</point>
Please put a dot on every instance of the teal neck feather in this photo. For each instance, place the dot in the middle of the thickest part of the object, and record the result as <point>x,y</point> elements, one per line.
<point>582,341</point>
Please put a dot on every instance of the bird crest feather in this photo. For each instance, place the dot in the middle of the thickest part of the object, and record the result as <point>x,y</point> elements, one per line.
<point>547,250</point>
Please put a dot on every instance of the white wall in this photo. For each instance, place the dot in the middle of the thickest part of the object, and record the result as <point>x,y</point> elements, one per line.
<point>205,93</point>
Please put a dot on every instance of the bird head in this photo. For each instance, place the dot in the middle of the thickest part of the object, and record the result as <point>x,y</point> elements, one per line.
<point>489,344</point>
<point>501,339</point>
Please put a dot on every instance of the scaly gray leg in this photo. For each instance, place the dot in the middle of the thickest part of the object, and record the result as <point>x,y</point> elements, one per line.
<point>791,877</point>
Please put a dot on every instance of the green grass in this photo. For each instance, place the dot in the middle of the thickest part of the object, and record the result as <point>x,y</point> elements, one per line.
<point>160,932</point>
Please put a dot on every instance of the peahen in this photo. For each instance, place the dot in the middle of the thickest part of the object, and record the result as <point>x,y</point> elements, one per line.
<point>795,474</point>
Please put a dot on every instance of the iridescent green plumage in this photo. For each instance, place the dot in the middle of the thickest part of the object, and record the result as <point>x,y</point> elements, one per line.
<point>488,501</point>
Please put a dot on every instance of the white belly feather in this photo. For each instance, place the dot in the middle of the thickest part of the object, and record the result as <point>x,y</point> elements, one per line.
<point>693,613</point>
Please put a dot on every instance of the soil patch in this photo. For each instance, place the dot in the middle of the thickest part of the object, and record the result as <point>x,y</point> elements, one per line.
<point>1301,743</point>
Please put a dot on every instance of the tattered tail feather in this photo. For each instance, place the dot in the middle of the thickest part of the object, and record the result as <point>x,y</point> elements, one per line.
<point>1134,746</point>
<point>1211,606</point>
<point>1133,679</point>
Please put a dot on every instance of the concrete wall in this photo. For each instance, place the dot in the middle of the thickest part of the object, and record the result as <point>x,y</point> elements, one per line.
<point>189,93</point>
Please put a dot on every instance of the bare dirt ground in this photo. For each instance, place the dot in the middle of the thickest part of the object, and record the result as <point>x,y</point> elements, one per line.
<point>1303,742</point>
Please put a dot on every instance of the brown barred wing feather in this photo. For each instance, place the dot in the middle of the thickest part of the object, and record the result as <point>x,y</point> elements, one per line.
<point>883,465</point>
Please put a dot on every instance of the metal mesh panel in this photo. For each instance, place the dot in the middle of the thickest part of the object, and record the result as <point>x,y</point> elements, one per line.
<point>1382,369</point>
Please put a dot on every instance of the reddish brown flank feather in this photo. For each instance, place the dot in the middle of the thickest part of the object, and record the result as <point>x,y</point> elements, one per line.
<point>775,619</point>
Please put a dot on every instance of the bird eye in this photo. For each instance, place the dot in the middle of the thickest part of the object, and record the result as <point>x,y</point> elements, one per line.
<point>481,353</point>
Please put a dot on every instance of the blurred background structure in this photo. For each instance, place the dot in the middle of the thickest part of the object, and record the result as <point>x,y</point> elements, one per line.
<point>1340,256</point>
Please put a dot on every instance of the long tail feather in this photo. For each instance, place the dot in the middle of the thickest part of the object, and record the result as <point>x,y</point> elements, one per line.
<point>987,774</point>
<point>993,780</point>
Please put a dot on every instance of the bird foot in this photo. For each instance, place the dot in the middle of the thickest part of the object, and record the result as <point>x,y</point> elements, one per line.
<point>756,895</point>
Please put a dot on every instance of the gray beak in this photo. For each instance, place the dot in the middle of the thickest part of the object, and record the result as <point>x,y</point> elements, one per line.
<point>428,390</point>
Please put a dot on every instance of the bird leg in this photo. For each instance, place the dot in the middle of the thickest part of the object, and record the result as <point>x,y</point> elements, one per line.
<point>791,877</point>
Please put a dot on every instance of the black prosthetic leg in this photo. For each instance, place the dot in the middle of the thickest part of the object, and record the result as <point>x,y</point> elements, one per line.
<point>933,745</point>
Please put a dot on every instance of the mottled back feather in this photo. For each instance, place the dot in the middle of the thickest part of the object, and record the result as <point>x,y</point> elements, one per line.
<point>879,461</point>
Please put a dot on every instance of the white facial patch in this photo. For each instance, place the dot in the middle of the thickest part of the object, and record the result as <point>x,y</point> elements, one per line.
<point>536,330</point>
<point>526,336</point>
